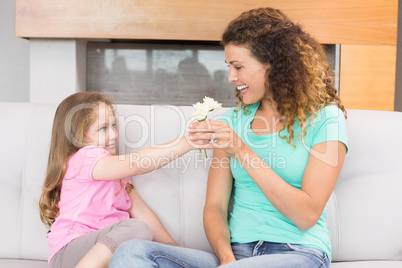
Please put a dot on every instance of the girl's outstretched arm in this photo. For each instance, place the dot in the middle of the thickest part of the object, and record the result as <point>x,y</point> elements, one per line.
<point>141,162</point>
<point>140,210</point>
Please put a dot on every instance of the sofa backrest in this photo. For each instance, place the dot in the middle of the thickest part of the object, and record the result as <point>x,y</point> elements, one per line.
<point>26,137</point>
<point>363,213</point>
<point>365,216</point>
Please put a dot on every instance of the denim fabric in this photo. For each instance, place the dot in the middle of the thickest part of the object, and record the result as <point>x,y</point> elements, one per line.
<point>142,253</point>
<point>275,255</point>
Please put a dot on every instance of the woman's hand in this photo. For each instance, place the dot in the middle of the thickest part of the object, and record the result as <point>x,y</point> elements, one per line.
<point>215,135</point>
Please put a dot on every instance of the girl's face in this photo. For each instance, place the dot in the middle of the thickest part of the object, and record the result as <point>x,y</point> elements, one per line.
<point>246,72</point>
<point>103,131</point>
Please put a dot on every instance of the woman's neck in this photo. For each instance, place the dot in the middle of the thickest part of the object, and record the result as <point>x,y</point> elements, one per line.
<point>268,108</point>
<point>266,119</point>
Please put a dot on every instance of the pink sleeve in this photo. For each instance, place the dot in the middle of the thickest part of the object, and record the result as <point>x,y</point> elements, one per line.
<point>85,160</point>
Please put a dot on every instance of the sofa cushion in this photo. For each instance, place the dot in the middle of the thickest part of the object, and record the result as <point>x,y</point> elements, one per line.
<point>367,264</point>
<point>9,263</point>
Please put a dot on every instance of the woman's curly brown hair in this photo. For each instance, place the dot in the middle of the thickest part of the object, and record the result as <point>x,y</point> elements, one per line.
<point>299,80</point>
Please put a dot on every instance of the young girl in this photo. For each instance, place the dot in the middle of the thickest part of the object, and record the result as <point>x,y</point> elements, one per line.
<point>87,200</point>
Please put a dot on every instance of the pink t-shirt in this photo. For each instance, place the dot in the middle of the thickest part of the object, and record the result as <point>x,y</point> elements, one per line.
<point>86,205</point>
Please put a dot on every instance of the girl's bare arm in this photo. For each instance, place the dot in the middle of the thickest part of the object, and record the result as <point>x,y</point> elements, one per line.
<point>141,162</point>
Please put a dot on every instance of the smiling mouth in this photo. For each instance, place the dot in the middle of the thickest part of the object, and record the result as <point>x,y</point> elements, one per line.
<point>242,89</point>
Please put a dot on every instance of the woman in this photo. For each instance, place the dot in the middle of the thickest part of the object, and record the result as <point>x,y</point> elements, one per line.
<point>282,148</point>
<point>286,144</point>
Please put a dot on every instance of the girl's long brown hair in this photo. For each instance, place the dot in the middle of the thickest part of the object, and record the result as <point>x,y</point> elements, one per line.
<point>73,117</point>
<point>299,80</point>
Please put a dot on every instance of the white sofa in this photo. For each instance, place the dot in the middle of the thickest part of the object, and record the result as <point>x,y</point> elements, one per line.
<point>364,213</point>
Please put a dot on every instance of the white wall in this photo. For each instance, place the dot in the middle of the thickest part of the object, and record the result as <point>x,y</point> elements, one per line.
<point>14,58</point>
<point>58,69</point>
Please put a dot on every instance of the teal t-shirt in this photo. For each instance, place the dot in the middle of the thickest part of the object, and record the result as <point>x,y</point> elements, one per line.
<point>253,217</point>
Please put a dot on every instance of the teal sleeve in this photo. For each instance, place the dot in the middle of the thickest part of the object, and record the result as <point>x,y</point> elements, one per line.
<point>330,125</point>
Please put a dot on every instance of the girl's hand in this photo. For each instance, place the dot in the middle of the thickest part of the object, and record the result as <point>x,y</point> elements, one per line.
<point>215,135</point>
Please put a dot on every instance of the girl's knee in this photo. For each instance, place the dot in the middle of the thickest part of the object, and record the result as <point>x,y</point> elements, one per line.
<point>134,229</point>
<point>125,230</point>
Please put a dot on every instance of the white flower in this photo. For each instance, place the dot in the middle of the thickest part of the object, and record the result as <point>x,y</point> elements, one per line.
<point>203,109</point>
<point>212,104</point>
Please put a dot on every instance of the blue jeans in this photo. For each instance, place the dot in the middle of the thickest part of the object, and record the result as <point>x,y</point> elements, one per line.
<point>143,253</point>
<point>277,255</point>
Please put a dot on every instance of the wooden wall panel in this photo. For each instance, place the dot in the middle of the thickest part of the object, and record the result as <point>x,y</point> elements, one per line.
<point>367,77</point>
<point>341,21</point>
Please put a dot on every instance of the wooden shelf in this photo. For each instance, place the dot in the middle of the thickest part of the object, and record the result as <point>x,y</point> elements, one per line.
<point>371,22</point>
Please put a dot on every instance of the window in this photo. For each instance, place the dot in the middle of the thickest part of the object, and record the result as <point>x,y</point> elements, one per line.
<point>179,73</point>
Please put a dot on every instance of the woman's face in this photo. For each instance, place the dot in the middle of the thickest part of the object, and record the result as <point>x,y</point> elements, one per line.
<point>246,72</point>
